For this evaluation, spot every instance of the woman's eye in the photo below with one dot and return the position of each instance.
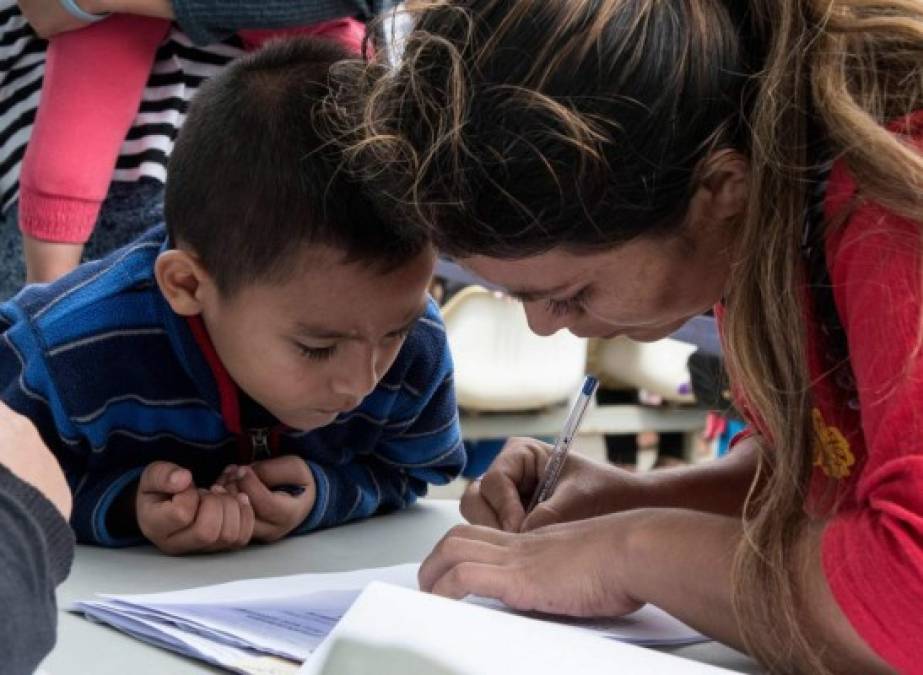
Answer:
(575, 303)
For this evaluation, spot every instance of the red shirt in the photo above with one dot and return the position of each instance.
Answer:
(869, 440)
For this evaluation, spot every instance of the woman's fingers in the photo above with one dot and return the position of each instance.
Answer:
(464, 543)
(497, 499)
(476, 578)
(475, 509)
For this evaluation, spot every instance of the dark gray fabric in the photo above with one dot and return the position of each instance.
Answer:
(36, 552)
(130, 209)
(207, 21)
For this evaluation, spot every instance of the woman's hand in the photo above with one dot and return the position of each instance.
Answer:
(586, 489)
(575, 569)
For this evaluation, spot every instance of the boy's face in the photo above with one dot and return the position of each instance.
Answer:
(314, 346)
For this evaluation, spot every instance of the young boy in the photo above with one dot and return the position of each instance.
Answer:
(268, 364)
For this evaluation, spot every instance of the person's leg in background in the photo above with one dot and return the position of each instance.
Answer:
(129, 210)
(621, 449)
(670, 449)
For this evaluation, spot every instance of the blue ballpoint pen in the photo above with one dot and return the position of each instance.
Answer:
(558, 456)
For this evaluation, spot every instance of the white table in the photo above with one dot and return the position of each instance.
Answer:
(87, 649)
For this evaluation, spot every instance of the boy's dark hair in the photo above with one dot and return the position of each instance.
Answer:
(252, 176)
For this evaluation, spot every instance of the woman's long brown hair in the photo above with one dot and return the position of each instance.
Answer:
(511, 127)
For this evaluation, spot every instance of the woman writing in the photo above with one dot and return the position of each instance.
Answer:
(623, 165)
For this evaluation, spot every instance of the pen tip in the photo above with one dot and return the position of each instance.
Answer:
(589, 385)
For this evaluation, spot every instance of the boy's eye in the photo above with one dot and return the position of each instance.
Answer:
(567, 305)
(317, 353)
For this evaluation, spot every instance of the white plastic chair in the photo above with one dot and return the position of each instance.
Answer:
(657, 367)
(500, 364)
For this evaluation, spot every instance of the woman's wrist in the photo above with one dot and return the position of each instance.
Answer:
(634, 563)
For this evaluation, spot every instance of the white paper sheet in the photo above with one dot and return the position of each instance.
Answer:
(183, 642)
(435, 635)
(289, 617)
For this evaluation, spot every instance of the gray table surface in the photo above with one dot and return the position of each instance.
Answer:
(88, 649)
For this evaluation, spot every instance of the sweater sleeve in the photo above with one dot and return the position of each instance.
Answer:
(208, 21)
(873, 554)
(28, 387)
(36, 551)
(94, 79)
(347, 31)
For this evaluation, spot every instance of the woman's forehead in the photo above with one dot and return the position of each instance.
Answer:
(544, 275)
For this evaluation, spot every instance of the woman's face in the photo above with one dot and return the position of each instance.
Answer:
(644, 289)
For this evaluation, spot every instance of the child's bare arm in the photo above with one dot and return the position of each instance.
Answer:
(49, 18)
(162, 9)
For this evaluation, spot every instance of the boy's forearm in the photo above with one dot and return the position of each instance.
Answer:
(354, 491)
(104, 509)
(122, 518)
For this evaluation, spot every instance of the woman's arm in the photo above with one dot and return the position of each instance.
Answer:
(679, 560)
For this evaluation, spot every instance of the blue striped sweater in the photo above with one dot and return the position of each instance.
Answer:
(114, 380)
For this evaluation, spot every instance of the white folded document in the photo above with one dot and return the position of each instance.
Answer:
(272, 625)
(434, 636)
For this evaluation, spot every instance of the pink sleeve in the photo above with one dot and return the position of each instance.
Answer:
(347, 31)
(94, 79)
(873, 552)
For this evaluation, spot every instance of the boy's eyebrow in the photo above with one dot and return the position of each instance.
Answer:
(416, 316)
(324, 333)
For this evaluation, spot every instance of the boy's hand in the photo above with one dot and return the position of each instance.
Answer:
(277, 512)
(179, 518)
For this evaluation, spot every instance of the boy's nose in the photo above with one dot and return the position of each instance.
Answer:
(358, 378)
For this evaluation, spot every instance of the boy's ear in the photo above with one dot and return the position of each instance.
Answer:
(182, 280)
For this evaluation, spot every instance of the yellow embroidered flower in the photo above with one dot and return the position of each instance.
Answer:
(831, 449)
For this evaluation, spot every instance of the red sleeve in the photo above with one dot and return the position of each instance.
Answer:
(94, 79)
(873, 554)
(347, 31)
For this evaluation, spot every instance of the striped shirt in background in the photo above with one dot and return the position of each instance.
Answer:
(179, 70)
(22, 66)
(114, 380)
(196, 48)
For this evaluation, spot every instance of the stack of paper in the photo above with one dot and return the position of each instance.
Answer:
(436, 636)
(270, 626)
